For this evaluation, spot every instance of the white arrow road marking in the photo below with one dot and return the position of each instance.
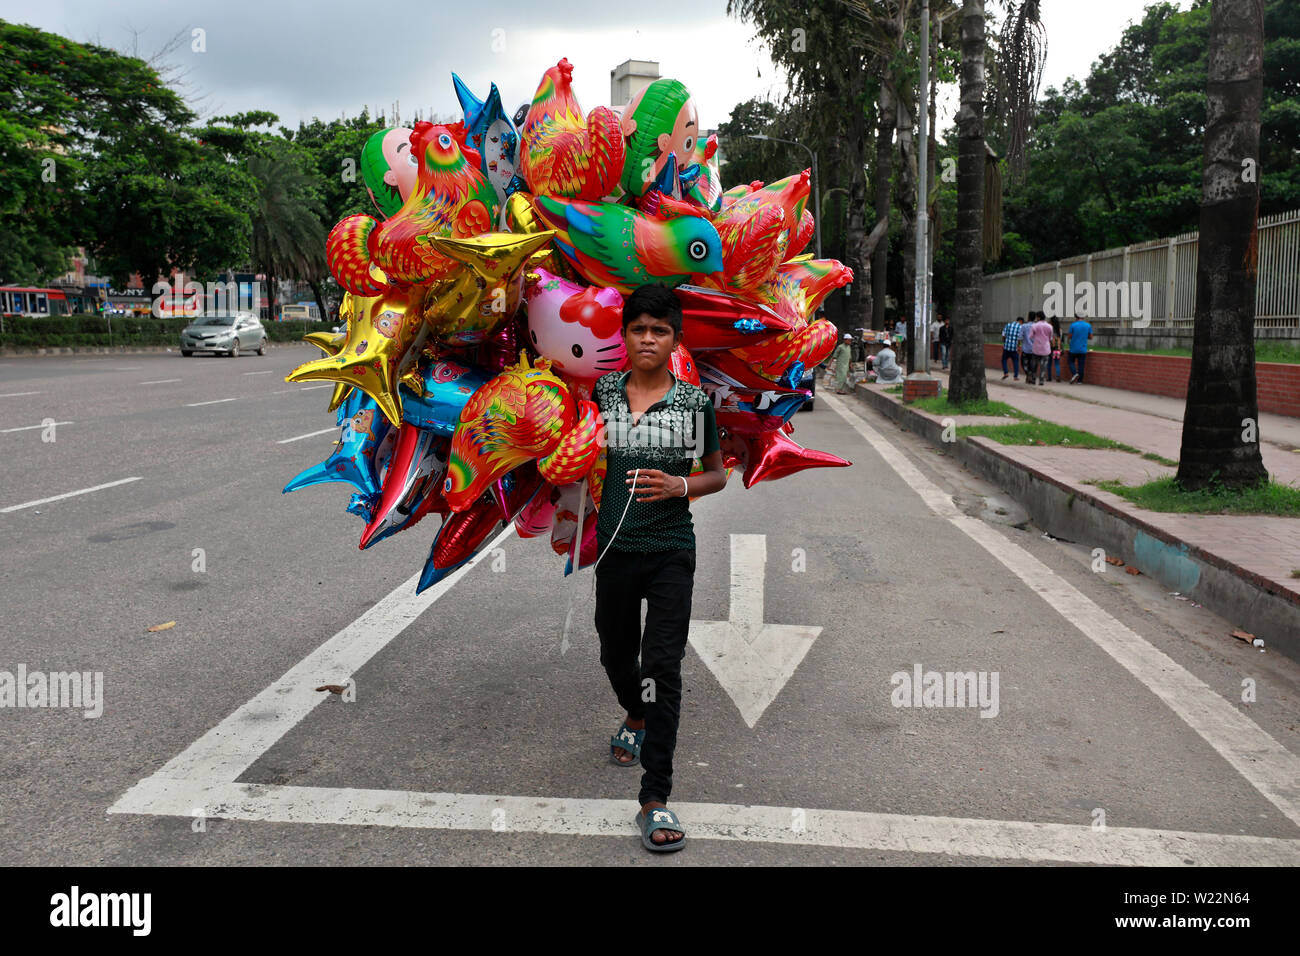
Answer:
(751, 660)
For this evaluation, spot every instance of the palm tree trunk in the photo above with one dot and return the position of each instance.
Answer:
(886, 119)
(967, 356)
(1221, 420)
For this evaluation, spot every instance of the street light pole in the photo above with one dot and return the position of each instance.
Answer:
(816, 180)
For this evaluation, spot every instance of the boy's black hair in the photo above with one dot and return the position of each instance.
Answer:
(655, 300)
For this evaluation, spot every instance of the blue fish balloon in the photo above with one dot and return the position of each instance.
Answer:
(354, 460)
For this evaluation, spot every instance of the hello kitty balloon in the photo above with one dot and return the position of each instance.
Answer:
(579, 328)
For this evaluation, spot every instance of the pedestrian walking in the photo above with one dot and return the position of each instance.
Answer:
(1080, 333)
(843, 355)
(1040, 338)
(935, 325)
(1011, 348)
(945, 340)
(1055, 362)
(1026, 353)
(655, 425)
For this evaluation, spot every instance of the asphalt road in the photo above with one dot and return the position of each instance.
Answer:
(476, 738)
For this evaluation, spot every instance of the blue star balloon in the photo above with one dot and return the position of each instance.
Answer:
(490, 131)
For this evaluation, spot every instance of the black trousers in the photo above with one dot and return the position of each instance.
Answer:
(652, 688)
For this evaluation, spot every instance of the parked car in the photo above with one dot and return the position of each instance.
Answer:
(228, 333)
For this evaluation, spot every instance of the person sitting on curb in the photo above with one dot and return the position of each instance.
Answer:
(887, 371)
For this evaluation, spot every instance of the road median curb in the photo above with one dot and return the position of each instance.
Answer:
(1076, 513)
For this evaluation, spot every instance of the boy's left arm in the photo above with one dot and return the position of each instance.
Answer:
(714, 476)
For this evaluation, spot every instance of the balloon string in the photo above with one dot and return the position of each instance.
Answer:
(577, 550)
(574, 558)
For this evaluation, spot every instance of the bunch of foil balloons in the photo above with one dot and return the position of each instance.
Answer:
(484, 299)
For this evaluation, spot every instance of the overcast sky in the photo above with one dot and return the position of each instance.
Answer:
(325, 57)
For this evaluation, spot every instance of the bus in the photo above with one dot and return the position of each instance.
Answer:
(40, 303)
(301, 312)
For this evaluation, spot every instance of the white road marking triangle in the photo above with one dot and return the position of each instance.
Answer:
(751, 660)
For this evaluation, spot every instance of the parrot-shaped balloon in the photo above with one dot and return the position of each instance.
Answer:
(451, 198)
(618, 246)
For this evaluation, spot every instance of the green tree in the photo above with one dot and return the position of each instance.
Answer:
(824, 48)
(749, 160)
(95, 152)
(334, 148)
(1117, 158)
(288, 237)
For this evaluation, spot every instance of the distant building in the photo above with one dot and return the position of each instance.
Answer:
(630, 78)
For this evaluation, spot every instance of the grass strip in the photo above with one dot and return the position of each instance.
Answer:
(1165, 494)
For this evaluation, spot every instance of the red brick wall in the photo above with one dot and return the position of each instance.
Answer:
(1277, 385)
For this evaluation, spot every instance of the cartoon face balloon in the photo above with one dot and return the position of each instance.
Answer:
(580, 329)
(660, 122)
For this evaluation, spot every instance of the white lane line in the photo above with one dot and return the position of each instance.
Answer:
(27, 428)
(161, 381)
(1268, 766)
(217, 401)
(18, 394)
(842, 829)
(303, 388)
(231, 747)
(263, 372)
(69, 494)
(323, 431)
(129, 368)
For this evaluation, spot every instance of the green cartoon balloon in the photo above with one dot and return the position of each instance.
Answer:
(660, 121)
(389, 168)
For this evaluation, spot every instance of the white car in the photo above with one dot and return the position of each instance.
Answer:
(228, 334)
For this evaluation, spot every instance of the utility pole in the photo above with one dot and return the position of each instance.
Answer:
(920, 320)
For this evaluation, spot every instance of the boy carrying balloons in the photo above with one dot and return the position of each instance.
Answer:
(655, 426)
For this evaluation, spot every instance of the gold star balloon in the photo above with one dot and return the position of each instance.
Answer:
(330, 343)
(466, 307)
(381, 330)
(522, 218)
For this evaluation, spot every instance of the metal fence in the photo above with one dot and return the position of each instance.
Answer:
(1169, 266)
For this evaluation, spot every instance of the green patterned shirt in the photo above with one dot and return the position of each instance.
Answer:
(668, 436)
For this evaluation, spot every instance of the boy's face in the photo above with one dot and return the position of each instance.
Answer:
(650, 342)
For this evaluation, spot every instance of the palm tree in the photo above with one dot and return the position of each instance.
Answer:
(1221, 419)
(288, 236)
(1021, 63)
(966, 380)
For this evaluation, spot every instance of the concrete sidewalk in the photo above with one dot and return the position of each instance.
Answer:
(1197, 555)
